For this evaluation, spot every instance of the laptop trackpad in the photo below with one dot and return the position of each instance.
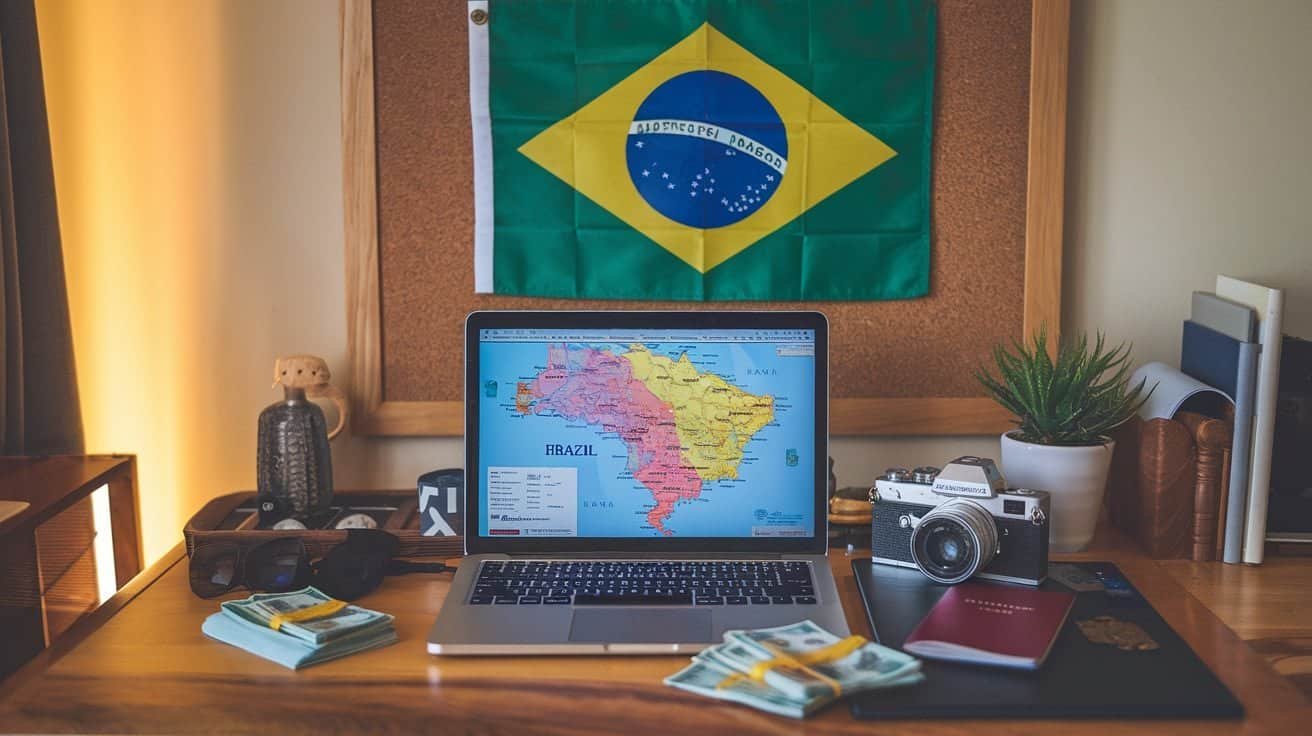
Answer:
(641, 625)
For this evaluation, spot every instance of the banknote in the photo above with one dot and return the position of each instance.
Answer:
(289, 651)
(261, 608)
(796, 684)
(814, 680)
(704, 677)
(868, 666)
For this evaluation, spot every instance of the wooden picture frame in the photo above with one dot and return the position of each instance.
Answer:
(374, 415)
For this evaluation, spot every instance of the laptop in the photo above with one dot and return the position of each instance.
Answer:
(640, 482)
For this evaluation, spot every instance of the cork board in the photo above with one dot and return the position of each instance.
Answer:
(896, 367)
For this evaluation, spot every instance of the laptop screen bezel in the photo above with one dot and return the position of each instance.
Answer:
(817, 543)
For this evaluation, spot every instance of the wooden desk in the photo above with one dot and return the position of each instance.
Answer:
(148, 669)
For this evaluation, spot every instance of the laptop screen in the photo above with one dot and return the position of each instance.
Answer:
(647, 433)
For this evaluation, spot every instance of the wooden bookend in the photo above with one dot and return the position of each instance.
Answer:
(1166, 485)
(1211, 440)
(1223, 503)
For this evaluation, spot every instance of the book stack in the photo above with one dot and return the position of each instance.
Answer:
(1232, 342)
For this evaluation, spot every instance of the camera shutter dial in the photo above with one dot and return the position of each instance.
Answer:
(924, 474)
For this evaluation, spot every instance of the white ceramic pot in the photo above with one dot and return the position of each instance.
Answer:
(1075, 477)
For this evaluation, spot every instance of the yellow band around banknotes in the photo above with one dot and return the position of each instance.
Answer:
(823, 655)
(319, 610)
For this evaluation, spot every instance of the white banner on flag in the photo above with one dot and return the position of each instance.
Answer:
(708, 132)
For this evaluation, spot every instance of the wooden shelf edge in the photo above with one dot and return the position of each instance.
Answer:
(919, 416)
(878, 417)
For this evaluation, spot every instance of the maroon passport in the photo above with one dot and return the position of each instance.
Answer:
(992, 624)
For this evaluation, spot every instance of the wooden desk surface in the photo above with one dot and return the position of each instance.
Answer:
(148, 669)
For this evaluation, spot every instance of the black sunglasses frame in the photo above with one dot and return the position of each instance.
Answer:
(346, 571)
(244, 562)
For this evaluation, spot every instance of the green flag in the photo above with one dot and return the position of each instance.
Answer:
(702, 149)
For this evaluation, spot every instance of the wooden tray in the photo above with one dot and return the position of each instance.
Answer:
(233, 518)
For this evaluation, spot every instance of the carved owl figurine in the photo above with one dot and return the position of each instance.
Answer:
(293, 460)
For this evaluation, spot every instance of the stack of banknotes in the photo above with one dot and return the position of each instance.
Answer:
(793, 670)
(299, 628)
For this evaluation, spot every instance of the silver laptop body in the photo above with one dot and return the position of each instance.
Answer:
(640, 482)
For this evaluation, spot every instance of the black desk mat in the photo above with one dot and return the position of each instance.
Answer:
(1079, 680)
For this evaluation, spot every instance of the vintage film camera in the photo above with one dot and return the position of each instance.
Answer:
(959, 522)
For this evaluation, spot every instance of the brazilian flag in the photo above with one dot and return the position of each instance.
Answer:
(702, 149)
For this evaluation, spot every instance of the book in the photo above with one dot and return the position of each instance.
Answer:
(1228, 364)
(1289, 512)
(997, 625)
(1239, 322)
(1210, 356)
(1172, 391)
(1224, 316)
(1268, 304)
(1241, 454)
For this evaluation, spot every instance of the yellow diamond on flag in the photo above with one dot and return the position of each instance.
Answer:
(626, 150)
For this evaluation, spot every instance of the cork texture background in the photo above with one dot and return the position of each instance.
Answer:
(912, 348)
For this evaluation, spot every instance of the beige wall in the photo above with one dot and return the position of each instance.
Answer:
(1189, 155)
(198, 170)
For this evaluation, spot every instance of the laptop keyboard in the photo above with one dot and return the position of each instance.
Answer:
(641, 583)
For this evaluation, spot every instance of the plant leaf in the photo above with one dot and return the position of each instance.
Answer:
(1076, 399)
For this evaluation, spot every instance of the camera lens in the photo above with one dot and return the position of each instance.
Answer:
(954, 541)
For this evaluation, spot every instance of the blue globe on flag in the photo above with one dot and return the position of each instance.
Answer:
(706, 149)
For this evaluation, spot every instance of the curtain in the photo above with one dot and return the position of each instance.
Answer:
(39, 410)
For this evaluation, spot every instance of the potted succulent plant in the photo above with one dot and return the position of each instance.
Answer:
(1065, 412)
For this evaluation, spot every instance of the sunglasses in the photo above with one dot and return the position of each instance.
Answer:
(274, 566)
(346, 572)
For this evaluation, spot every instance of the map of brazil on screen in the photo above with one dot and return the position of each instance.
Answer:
(606, 437)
